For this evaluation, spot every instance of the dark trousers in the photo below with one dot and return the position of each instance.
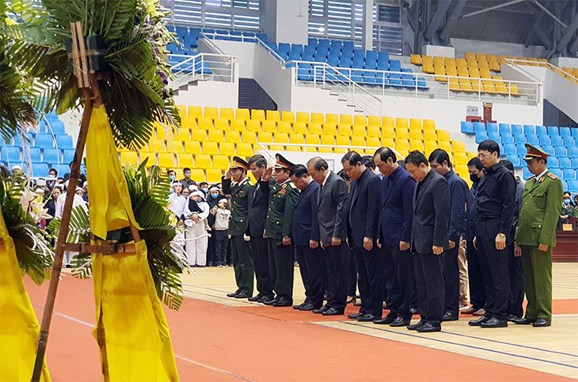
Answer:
(429, 282)
(494, 266)
(369, 267)
(401, 280)
(391, 291)
(301, 251)
(477, 291)
(452, 280)
(516, 283)
(260, 255)
(338, 259)
(317, 274)
(220, 241)
(211, 257)
(243, 264)
(352, 278)
(281, 268)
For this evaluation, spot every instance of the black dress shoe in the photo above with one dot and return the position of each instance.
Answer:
(494, 323)
(242, 295)
(320, 310)
(256, 298)
(416, 325)
(306, 307)
(234, 294)
(428, 328)
(282, 302)
(298, 307)
(399, 321)
(385, 320)
(541, 323)
(355, 316)
(512, 318)
(479, 321)
(332, 312)
(524, 321)
(450, 317)
(270, 301)
(414, 311)
(367, 318)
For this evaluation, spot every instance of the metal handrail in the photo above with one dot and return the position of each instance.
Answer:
(187, 67)
(554, 68)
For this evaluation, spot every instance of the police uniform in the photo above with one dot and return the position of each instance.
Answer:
(282, 200)
(240, 250)
(537, 225)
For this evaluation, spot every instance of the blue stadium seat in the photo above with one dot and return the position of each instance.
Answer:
(553, 162)
(479, 126)
(519, 138)
(557, 140)
(504, 128)
(549, 149)
(510, 149)
(574, 162)
(422, 84)
(304, 72)
(17, 141)
(574, 132)
(572, 186)
(35, 155)
(527, 173)
(262, 37)
(467, 127)
(516, 162)
(565, 132)
(61, 168)
(529, 130)
(573, 152)
(552, 130)
(44, 141)
(495, 136)
(544, 140)
(521, 147)
(481, 136)
(569, 174)
(284, 47)
(507, 138)
(294, 56)
(348, 45)
(297, 48)
(492, 127)
(394, 65)
(560, 151)
(68, 156)
(558, 172)
(10, 154)
(517, 129)
(569, 141)
(308, 49)
(532, 139)
(39, 169)
(565, 162)
(541, 130)
(64, 142)
(52, 156)
(372, 55)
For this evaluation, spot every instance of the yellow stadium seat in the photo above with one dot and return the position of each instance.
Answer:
(272, 115)
(270, 126)
(359, 130)
(357, 140)
(284, 127)
(275, 148)
(429, 124)
(192, 147)
(415, 59)
(186, 160)
(232, 136)
(445, 145)
(430, 134)
(329, 118)
(185, 134)
(242, 114)
(166, 160)
(343, 141)
(402, 144)
(328, 140)
(237, 125)
(443, 135)
(326, 150)
(249, 137)
(221, 161)
(373, 141)
(265, 137)
(401, 123)
(198, 174)
(314, 128)
(215, 136)
(388, 132)
(205, 123)
(227, 148)
(211, 112)
(195, 111)
(174, 146)
(287, 116)
(388, 142)
(402, 133)
(160, 130)
(227, 113)
(415, 124)
(359, 120)
(129, 157)
(210, 148)
(300, 127)
(302, 117)
(294, 148)
(313, 139)
(430, 146)
(514, 90)
(203, 160)
(427, 64)
(296, 138)
(199, 135)
(458, 147)
(330, 129)
(373, 131)
(281, 138)
(182, 110)
(157, 145)
(151, 158)
(460, 159)
(415, 134)
(318, 118)
(344, 130)
(253, 125)
(214, 175)
(416, 144)
(244, 149)
(258, 115)
(373, 120)
(222, 124)
(345, 119)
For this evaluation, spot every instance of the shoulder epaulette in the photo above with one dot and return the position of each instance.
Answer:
(553, 176)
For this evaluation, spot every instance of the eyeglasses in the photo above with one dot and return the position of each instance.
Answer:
(483, 155)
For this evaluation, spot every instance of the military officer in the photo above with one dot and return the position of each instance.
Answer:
(282, 199)
(536, 235)
(236, 183)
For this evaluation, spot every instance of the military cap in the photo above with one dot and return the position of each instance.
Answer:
(282, 162)
(239, 162)
(535, 153)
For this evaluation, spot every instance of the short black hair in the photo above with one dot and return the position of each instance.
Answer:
(475, 161)
(385, 153)
(440, 155)
(258, 159)
(299, 171)
(368, 161)
(200, 184)
(353, 158)
(53, 169)
(318, 163)
(169, 171)
(416, 158)
(507, 164)
(186, 169)
(490, 146)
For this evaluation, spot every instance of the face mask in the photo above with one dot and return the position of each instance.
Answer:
(474, 178)
(214, 196)
(204, 189)
(171, 178)
(566, 201)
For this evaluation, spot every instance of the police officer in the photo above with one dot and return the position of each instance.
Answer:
(536, 235)
(236, 183)
(282, 199)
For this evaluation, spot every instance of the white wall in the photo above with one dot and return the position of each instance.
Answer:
(271, 76)
(244, 53)
(492, 47)
(286, 20)
(313, 100)
(210, 93)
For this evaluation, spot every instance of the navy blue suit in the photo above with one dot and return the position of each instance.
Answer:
(362, 222)
(395, 219)
(305, 227)
(458, 201)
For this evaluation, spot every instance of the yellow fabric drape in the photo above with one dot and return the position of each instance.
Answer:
(19, 327)
(131, 329)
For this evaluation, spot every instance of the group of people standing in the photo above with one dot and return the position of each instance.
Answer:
(403, 229)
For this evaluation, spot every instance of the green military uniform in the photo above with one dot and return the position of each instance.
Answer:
(282, 200)
(537, 225)
(240, 250)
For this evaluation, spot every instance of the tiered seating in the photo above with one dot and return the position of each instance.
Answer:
(560, 142)
(209, 137)
(49, 147)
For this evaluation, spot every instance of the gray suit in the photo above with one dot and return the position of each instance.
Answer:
(332, 216)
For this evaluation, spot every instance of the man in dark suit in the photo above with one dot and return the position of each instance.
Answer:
(395, 218)
(440, 161)
(332, 217)
(282, 198)
(258, 204)
(362, 232)
(429, 240)
(305, 230)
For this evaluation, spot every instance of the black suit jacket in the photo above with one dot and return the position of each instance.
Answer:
(305, 226)
(363, 209)
(258, 205)
(332, 209)
(431, 213)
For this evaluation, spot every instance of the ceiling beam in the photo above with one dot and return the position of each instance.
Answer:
(452, 20)
(492, 8)
(437, 20)
(547, 11)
